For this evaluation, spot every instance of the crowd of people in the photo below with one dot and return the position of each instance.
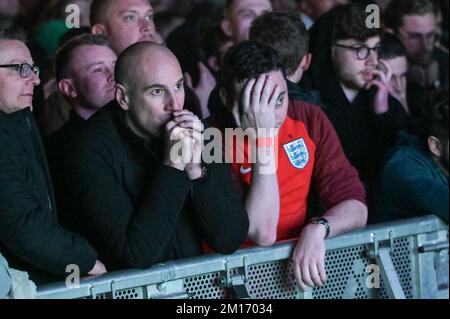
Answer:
(104, 128)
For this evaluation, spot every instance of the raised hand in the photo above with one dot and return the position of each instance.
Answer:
(257, 106)
(381, 81)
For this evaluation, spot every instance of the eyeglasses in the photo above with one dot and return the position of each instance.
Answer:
(429, 38)
(362, 52)
(25, 70)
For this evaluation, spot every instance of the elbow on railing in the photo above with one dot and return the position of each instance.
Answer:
(264, 237)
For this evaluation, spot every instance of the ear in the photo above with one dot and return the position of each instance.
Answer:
(306, 62)
(227, 28)
(435, 146)
(98, 29)
(122, 97)
(67, 88)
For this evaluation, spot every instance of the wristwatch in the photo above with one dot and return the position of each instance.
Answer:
(321, 221)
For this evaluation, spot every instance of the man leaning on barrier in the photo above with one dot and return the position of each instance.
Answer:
(302, 143)
(136, 199)
(30, 236)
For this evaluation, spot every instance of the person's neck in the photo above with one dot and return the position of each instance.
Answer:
(84, 112)
(350, 93)
(296, 77)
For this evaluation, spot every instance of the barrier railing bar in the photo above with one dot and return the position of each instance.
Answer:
(183, 268)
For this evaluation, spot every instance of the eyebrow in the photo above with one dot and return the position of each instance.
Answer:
(418, 33)
(135, 11)
(245, 11)
(156, 85)
(20, 61)
(95, 64)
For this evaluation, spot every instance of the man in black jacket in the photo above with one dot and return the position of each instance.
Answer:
(354, 88)
(30, 236)
(135, 198)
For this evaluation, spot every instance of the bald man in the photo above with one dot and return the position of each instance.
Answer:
(136, 201)
(124, 22)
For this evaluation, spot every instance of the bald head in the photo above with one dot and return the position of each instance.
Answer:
(140, 58)
(150, 87)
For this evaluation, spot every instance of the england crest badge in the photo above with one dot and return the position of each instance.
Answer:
(297, 152)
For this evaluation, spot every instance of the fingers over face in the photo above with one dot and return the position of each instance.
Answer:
(257, 91)
(246, 96)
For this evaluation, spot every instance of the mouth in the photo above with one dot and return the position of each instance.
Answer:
(147, 37)
(367, 74)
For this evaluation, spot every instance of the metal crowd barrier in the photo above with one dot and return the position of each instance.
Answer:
(405, 259)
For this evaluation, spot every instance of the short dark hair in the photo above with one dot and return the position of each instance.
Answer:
(397, 9)
(286, 33)
(247, 60)
(64, 53)
(435, 121)
(13, 34)
(350, 23)
(98, 9)
(391, 47)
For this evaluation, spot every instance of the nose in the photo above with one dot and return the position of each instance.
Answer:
(34, 79)
(110, 75)
(429, 43)
(147, 26)
(174, 103)
(372, 60)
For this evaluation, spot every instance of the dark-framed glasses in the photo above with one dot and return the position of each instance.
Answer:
(25, 70)
(362, 52)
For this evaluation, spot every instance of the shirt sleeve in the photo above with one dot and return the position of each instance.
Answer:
(223, 219)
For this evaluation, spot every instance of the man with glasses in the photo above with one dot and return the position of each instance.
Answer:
(354, 86)
(415, 23)
(30, 237)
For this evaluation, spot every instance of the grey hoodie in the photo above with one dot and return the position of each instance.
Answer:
(5, 278)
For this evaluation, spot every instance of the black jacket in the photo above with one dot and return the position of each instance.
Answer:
(30, 237)
(138, 212)
(365, 136)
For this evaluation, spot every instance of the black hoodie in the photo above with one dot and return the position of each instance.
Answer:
(364, 135)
